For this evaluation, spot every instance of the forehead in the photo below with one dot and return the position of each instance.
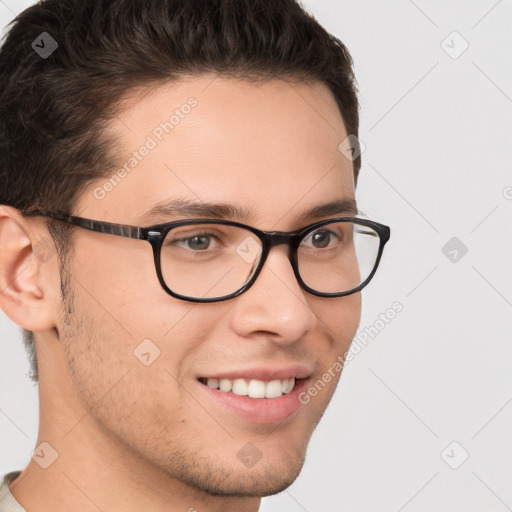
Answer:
(270, 148)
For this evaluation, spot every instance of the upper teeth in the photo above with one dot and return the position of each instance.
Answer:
(253, 388)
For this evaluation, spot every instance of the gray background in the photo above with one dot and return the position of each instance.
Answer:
(433, 385)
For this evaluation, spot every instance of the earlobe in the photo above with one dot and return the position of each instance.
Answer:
(22, 294)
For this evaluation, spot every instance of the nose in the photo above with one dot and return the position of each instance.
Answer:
(275, 304)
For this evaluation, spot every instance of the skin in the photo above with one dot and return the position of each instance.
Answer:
(133, 437)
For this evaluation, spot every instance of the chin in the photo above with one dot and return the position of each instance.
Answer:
(264, 479)
(253, 484)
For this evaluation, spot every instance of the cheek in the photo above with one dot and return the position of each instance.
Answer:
(121, 290)
(123, 320)
(126, 382)
(145, 402)
(341, 318)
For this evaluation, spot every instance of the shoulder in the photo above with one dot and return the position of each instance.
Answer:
(7, 501)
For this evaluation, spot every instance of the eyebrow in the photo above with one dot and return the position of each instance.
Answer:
(191, 209)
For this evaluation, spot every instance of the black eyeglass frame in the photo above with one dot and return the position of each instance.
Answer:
(156, 234)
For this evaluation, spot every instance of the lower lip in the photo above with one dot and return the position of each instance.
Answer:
(259, 410)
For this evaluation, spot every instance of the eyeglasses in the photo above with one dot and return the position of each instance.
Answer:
(211, 260)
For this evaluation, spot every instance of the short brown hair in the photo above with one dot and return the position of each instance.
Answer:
(54, 110)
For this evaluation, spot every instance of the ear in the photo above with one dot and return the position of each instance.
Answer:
(27, 264)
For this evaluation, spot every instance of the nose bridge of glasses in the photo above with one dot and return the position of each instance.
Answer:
(278, 238)
(274, 238)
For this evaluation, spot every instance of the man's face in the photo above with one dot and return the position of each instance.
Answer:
(271, 149)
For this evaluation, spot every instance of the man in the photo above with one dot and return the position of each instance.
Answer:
(181, 245)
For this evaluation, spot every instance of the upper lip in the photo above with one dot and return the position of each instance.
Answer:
(265, 373)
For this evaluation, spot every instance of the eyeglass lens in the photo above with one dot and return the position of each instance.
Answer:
(216, 260)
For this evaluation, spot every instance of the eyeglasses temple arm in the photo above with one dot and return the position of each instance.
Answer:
(94, 225)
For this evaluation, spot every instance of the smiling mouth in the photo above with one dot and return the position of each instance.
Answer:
(253, 388)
